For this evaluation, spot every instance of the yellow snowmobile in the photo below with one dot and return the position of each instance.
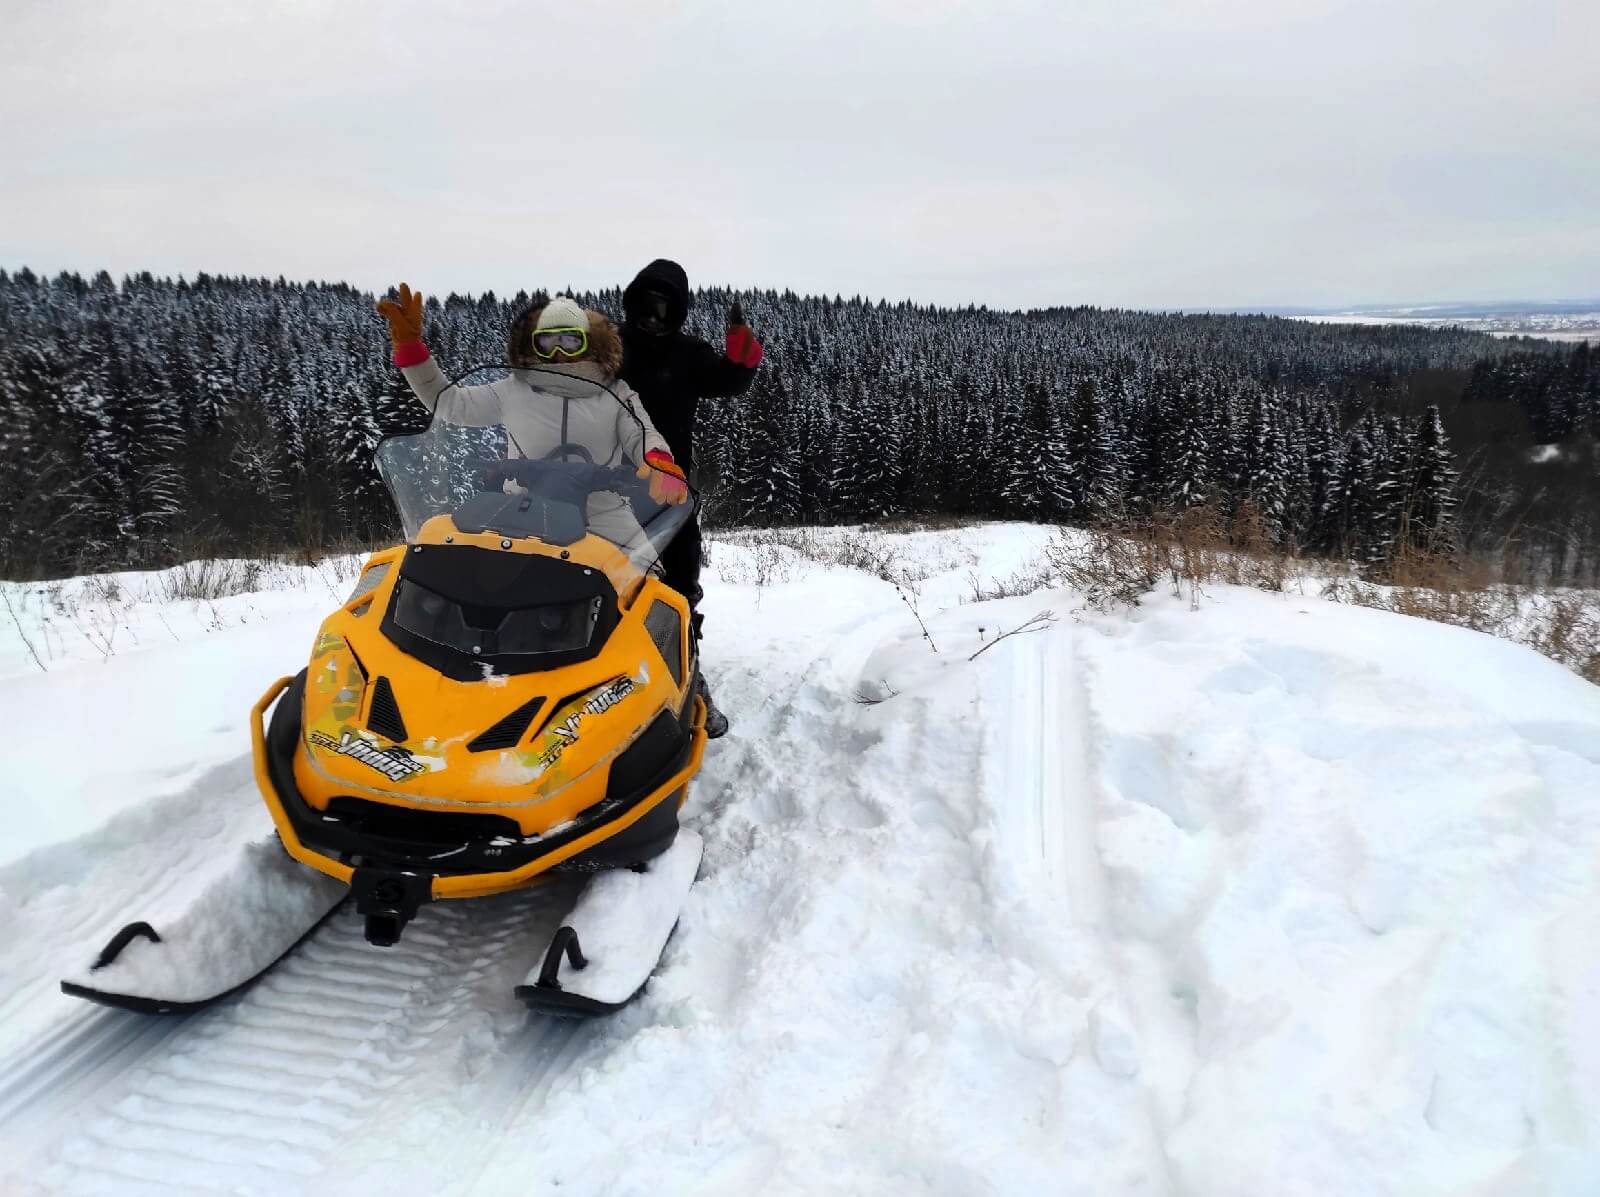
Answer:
(506, 695)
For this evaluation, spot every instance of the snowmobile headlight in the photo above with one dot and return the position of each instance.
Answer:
(489, 631)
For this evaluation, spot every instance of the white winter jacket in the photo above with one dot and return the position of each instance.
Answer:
(546, 407)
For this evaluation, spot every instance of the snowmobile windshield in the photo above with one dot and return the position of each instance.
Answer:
(518, 479)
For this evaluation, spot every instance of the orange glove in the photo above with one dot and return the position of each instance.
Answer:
(404, 315)
(668, 487)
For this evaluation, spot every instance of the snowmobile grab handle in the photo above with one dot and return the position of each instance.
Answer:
(582, 477)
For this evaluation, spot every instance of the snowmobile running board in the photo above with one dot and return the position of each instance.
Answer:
(625, 918)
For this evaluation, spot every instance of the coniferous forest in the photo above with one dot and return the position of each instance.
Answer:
(149, 420)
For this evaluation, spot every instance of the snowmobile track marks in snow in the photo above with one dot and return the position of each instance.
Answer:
(270, 1084)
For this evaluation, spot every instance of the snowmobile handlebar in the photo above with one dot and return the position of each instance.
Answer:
(582, 475)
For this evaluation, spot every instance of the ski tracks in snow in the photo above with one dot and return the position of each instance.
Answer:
(1038, 768)
(1043, 752)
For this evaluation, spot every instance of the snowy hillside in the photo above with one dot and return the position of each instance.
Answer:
(1270, 897)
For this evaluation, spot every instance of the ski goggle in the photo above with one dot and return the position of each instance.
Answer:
(652, 312)
(568, 342)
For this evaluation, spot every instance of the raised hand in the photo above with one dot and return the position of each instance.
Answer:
(741, 345)
(403, 311)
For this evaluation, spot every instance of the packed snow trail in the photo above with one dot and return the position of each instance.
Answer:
(284, 1082)
(1268, 897)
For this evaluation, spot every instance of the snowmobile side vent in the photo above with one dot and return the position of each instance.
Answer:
(368, 582)
(384, 716)
(649, 758)
(666, 629)
(510, 730)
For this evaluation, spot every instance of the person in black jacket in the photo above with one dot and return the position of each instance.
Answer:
(672, 371)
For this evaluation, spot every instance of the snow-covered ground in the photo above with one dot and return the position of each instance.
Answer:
(1275, 896)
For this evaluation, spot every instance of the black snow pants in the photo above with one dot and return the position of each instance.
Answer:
(680, 569)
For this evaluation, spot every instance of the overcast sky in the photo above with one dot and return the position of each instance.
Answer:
(1232, 153)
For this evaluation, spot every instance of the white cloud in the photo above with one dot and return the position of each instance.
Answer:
(1018, 154)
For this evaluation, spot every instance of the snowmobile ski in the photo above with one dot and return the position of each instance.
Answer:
(614, 937)
(237, 929)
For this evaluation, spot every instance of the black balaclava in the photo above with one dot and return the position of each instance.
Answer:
(656, 303)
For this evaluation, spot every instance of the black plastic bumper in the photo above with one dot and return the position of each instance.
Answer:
(446, 844)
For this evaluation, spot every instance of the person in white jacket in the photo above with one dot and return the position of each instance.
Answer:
(564, 390)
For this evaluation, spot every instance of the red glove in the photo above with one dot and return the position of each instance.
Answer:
(668, 487)
(742, 347)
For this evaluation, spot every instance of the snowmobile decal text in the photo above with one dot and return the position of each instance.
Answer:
(393, 763)
(565, 733)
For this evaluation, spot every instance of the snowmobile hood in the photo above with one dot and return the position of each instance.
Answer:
(668, 277)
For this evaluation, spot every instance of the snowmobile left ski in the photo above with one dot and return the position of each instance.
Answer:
(229, 934)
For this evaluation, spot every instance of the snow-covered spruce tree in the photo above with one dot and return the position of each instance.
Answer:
(812, 438)
(1092, 471)
(972, 466)
(47, 510)
(922, 480)
(1350, 526)
(363, 503)
(866, 458)
(1268, 469)
(767, 490)
(1188, 480)
(738, 480)
(1391, 478)
(1430, 511)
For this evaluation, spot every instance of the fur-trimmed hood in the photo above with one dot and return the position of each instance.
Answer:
(605, 343)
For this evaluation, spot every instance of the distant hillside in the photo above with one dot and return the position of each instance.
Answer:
(153, 418)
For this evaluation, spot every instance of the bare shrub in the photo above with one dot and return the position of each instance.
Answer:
(209, 578)
(769, 557)
(1117, 563)
(1567, 629)
(933, 522)
(1472, 592)
(102, 588)
(1111, 568)
(1029, 579)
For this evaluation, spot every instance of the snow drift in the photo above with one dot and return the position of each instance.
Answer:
(1272, 896)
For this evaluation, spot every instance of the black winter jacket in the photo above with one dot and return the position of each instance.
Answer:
(673, 373)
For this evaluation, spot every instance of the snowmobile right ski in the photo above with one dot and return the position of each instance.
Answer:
(614, 936)
(236, 929)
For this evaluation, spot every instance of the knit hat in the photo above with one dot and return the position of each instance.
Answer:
(563, 312)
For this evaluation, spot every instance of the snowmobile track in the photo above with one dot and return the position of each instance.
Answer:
(273, 1081)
